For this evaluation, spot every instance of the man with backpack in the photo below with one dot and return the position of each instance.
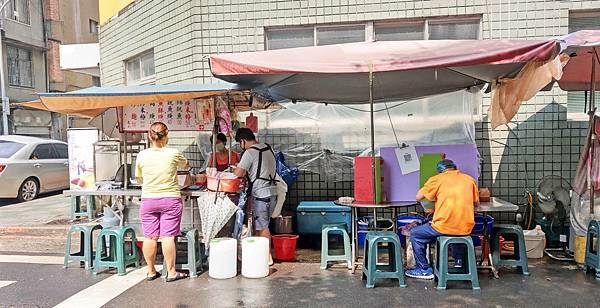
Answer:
(259, 166)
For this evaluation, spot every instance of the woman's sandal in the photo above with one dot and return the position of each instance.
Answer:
(178, 276)
(153, 277)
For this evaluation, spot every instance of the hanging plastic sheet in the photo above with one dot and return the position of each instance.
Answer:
(326, 137)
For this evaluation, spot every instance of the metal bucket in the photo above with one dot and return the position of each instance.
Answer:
(283, 225)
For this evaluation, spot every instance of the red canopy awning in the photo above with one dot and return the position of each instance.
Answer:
(580, 46)
(402, 69)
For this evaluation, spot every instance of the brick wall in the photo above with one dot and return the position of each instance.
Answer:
(55, 74)
(52, 10)
(539, 141)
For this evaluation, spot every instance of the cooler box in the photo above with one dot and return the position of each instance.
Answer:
(363, 179)
(311, 215)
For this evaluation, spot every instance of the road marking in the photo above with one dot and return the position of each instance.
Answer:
(104, 291)
(5, 283)
(31, 259)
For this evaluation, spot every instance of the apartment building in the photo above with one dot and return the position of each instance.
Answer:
(169, 42)
(33, 31)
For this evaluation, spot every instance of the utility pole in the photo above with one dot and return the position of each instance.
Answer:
(5, 102)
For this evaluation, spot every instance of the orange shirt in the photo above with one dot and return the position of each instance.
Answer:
(455, 195)
(223, 159)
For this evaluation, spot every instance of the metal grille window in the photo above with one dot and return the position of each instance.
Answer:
(454, 30)
(430, 29)
(19, 67)
(399, 31)
(586, 20)
(140, 69)
(340, 35)
(290, 38)
(17, 10)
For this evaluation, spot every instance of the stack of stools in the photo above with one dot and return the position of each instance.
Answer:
(394, 269)
(592, 253)
(116, 255)
(86, 249)
(469, 268)
(195, 253)
(519, 258)
(329, 229)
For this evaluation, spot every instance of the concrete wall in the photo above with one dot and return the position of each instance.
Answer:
(33, 33)
(540, 140)
(69, 23)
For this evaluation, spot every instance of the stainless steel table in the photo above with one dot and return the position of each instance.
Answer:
(90, 194)
(371, 206)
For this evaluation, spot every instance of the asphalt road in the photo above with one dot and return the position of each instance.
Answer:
(4, 202)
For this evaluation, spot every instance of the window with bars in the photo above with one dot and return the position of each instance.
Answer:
(581, 20)
(17, 10)
(19, 67)
(423, 29)
(140, 69)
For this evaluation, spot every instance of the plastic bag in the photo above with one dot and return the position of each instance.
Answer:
(289, 175)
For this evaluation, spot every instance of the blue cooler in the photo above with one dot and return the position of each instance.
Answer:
(312, 215)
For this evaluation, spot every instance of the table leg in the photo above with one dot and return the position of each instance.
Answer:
(353, 217)
(75, 202)
(486, 243)
(375, 218)
(394, 219)
(90, 206)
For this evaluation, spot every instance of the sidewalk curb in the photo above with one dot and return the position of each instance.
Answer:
(33, 229)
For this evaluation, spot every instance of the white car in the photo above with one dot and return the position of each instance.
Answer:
(30, 166)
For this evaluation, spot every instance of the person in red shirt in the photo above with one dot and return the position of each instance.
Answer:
(223, 154)
(455, 196)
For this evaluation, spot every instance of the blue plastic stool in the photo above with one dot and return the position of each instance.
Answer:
(520, 253)
(442, 271)
(195, 253)
(325, 256)
(592, 253)
(116, 256)
(371, 270)
(86, 250)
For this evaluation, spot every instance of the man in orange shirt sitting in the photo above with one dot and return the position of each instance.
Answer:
(455, 196)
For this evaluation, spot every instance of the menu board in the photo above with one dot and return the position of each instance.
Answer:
(184, 115)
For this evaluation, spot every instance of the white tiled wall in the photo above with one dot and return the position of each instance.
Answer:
(540, 141)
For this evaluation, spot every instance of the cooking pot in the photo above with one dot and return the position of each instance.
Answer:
(283, 224)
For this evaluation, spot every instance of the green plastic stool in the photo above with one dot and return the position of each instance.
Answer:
(592, 253)
(195, 253)
(519, 259)
(325, 256)
(116, 256)
(442, 271)
(86, 250)
(371, 270)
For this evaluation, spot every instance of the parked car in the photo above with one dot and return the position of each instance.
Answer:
(30, 166)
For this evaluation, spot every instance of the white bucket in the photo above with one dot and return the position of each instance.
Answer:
(222, 261)
(255, 257)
